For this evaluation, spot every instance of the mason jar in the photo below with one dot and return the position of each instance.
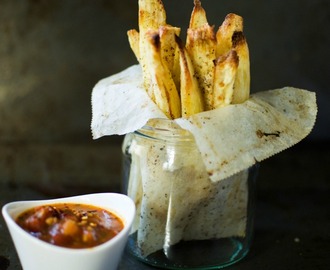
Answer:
(183, 219)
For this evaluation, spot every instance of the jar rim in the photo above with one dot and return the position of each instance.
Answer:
(164, 129)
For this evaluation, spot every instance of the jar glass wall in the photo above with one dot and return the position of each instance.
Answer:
(183, 219)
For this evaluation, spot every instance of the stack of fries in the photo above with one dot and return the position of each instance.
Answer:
(179, 80)
(210, 70)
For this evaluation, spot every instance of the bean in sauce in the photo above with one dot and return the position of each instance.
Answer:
(71, 225)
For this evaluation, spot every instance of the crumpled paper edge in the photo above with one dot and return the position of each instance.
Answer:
(127, 92)
(295, 110)
(126, 87)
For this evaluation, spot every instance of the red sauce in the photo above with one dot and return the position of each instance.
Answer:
(71, 225)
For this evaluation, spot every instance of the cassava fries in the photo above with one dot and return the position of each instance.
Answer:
(242, 79)
(231, 25)
(134, 42)
(165, 92)
(169, 51)
(152, 15)
(206, 155)
(191, 96)
(224, 78)
(209, 71)
(198, 16)
(201, 46)
(230, 36)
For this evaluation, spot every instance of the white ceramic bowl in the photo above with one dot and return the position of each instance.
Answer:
(35, 254)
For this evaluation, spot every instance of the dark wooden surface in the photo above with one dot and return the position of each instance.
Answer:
(292, 229)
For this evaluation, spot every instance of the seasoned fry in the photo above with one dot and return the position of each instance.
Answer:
(201, 46)
(191, 96)
(211, 70)
(198, 16)
(242, 79)
(164, 89)
(134, 41)
(232, 24)
(224, 79)
(152, 15)
(169, 51)
(206, 154)
(230, 36)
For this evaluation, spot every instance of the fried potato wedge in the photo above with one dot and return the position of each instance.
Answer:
(230, 36)
(152, 15)
(165, 92)
(198, 16)
(242, 79)
(191, 96)
(233, 23)
(201, 45)
(134, 42)
(210, 71)
(224, 79)
(170, 52)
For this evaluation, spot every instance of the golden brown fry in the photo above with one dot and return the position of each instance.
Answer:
(134, 41)
(224, 78)
(169, 51)
(191, 96)
(211, 71)
(201, 45)
(198, 16)
(242, 79)
(230, 36)
(165, 92)
(152, 15)
(232, 24)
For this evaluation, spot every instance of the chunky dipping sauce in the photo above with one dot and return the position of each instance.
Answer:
(70, 225)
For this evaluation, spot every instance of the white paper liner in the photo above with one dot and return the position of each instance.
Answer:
(176, 200)
(230, 139)
(120, 104)
(235, 137)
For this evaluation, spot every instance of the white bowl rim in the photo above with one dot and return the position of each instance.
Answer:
(71, 199)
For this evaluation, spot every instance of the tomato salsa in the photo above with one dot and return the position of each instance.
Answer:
(70, 225)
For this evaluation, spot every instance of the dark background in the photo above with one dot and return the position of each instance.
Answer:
(53, 52)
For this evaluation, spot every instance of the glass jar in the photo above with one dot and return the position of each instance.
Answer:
(183, 219)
